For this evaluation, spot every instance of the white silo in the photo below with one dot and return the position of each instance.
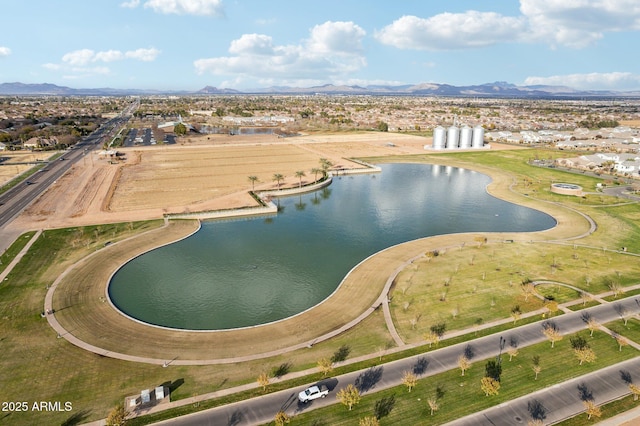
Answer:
(478, 137)
(465, 137)
(438, 138)
(453, 136)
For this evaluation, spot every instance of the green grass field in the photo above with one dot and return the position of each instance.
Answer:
(483, 285)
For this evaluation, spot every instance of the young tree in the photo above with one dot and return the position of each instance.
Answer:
(368, 421)
(315, 172)
(300, 174)
(635, 390)
(489, 386)
(582, 350)
(512, 351)
(281, 418)
(118, 416)
(439, 329)
(263, 380)
(409, 380)
(433, 404)
(551, 332)
(586, 297)
(253, 180)
(528, 289)
(516, 313)
(552, 307)
(432, 338)
(325, 365)
(585, 354)
(592, 325)
(493, 369)
(621, 341)
(325, 165)
(536, 366)
(349, 396)
(464, 363)
(278, 177)
(592, 409)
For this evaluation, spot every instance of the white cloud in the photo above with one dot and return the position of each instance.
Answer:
(252, 44)
(79, 57)
(603, 81)
(85, 56)
(570, 23)
(579, 23)
(82, 63)
(108, 56)
(145, 55)
(187, 7)
(336, 37)
(130, 4)
(451, 31)
(333, 50)
(4, 51)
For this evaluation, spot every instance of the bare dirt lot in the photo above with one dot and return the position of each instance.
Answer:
(17, 162)
(199, 173)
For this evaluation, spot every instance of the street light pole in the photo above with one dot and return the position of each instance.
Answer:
(503, 341)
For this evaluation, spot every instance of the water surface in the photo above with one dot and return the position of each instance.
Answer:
(246, 272)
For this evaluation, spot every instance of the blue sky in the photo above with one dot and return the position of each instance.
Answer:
(245, 44)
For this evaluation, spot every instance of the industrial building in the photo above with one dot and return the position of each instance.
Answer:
(457, 138)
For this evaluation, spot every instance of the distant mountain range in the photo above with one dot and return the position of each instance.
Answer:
(489, 90)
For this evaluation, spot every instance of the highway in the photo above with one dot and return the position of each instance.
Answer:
(16, 199)
(564, 401)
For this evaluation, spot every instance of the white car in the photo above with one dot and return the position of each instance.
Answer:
(313, 392)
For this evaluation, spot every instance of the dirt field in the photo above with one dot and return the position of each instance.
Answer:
(13, 165)
(199, 173)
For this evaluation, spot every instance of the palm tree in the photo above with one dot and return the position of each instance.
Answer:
(278, 178)
(315, 172)
(325, 165)
(300, 174)
(253, 180)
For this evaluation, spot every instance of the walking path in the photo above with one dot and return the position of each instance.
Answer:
(19, 256)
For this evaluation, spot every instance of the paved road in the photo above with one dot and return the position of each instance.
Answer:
(559, 402)
(16, 199)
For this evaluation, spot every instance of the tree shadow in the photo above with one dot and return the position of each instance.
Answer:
(626, 377)
(420, 366)
(384, 406)
(585, 393)
(513, 341)
(537, 410)
(367, 380)
(586, 317)
(468, 352)
(282, 369)
(235, 418)
(76, 418)
(341, 354)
